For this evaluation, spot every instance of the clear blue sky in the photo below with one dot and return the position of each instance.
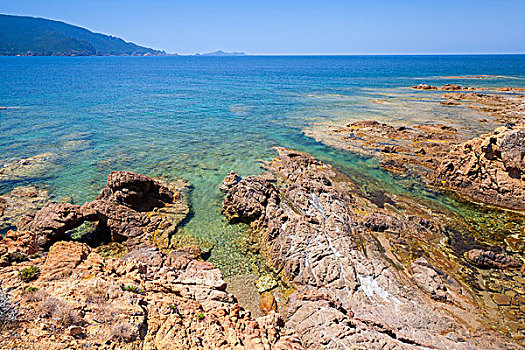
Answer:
(297, 26)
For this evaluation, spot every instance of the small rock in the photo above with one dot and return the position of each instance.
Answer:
(501, 299)
(75, 331)
(266, 283)
(267, 303)
(229, 181)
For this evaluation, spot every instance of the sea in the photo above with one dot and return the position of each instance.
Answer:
(199, 118)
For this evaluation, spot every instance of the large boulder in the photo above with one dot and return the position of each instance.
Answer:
(488, 169)
(133, 208)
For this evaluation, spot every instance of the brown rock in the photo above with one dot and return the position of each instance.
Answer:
(229, 181)
(267, 303)
(133, 209)
(501, 299)
(62, 259)
(51, 223)
(490, 259)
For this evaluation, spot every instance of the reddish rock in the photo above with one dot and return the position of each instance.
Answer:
(489, 259)
(267, 302)
(488, 169)
(133, 208)
(62, 259)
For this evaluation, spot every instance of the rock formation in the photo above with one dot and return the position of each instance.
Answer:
(133, 209)
(157, 296)
(353, 289)
(446, 87)
(81, 300)
(488, 169)
(490, 259)
(504, 108)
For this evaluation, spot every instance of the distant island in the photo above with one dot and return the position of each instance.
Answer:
(221, 53)
(29, 36)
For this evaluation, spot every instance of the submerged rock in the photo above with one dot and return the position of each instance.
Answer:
(21, 200)
(352, 289)
(504, 108)
(27, 168)
(483, 258)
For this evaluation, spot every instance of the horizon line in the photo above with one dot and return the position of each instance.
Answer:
(349, 54)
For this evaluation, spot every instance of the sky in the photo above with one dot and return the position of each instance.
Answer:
(297, 26)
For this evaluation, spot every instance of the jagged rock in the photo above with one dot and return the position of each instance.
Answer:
(352, 289)
(229, 181)
(51, 223)
(131, 304)
(134, 209)
(136, 191)
(246, 201)
(488, 169)
(489, 259)
(62, 259)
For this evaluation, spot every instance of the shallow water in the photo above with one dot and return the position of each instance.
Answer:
(200, 117)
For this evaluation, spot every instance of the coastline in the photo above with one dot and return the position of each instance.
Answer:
(444, 280)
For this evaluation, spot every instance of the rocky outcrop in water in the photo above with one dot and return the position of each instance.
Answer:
(399, 148)
(446, 87)
(336, 249)
(133, 209)
(504, 108)
(488, 169)
(490, 259)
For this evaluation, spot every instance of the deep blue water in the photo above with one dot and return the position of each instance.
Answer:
(200, 117)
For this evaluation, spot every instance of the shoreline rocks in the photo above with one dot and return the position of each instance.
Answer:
(350, 282)
(133, 209)
(488, 169)
(82, 300)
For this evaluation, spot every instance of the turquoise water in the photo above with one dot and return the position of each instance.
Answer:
(200, 117)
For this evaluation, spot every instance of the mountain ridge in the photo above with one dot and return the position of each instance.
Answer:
(34, 36)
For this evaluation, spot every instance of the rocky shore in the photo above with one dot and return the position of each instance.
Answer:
(359, 275)
(485, 169)
(345, 267)
(63, 294)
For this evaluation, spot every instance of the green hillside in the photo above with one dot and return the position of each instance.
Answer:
(43, 37)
